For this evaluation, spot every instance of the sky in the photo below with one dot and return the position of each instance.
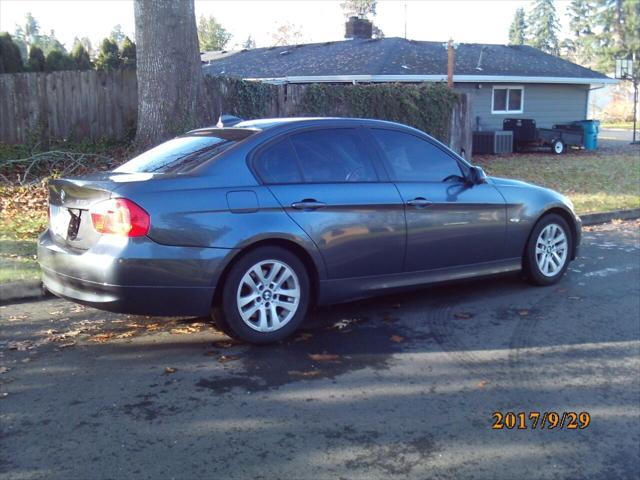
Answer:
(481, 21)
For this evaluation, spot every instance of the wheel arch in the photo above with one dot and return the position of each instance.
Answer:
(568, 217)
(298, 250)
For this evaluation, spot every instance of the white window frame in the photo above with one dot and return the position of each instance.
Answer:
(507, 88)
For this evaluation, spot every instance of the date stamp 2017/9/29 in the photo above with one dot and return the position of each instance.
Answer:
(540, 420)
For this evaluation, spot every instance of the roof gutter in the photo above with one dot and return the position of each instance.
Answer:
(434, 78)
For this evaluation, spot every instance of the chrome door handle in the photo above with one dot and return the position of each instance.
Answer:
(308, 204)
(419, 202)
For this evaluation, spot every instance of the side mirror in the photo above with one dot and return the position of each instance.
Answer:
(477, 175)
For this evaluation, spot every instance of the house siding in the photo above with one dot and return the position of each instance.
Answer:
(547, 104)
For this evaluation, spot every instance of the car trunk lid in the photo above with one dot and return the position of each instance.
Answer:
(70, 201)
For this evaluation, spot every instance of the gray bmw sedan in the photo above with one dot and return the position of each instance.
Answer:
(256, 223)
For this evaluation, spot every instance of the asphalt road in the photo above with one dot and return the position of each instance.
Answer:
(397, 387)
(620, 135)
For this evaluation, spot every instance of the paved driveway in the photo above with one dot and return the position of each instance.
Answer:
(396, 387)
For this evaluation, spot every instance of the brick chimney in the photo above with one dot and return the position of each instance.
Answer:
(358, 28)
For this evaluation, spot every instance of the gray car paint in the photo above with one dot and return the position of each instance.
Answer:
(356, 245)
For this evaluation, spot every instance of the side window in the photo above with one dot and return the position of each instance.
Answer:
(333, 155)
(412, 159)
(277, 164)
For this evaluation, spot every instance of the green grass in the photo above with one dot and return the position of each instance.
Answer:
(18, 248)
(621, 125)
(594, 182)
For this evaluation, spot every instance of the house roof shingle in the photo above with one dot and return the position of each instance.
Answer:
(393, 56)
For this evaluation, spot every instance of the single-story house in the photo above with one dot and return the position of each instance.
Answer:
(503, 81)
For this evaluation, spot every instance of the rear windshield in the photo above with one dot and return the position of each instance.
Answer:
(183, 153)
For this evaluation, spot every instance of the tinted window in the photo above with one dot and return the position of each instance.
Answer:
(333, 155)
(277, 164)
(413, 159)
(183, 153)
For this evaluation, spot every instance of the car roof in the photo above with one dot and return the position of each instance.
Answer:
(272, 123)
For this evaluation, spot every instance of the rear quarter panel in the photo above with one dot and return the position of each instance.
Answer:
(189, 212)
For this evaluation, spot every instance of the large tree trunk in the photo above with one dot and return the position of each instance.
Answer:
(171, 92)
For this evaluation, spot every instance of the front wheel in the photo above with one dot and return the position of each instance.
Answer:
(265, 296)
(548, 250)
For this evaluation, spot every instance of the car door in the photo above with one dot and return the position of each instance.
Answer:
(450, 223)
(328, 182)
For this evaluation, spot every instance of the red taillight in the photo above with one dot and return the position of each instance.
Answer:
(120, 216)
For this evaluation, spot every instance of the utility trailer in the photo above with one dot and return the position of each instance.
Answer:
(559, 138)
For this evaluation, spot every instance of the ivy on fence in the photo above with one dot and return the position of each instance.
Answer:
(424, 106)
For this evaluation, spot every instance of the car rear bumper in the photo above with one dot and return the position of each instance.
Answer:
(135, 275)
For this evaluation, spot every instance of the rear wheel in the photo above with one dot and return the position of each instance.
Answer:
(265, 296)
(548, 250)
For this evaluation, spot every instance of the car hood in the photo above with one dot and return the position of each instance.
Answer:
(509, 182)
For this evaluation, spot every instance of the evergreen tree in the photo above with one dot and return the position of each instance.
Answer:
(544, 27)
(27, 34)
(109, 56)
(580, 48)
(518, 29)
(36, 62)
(249, 43)
(10, 58)
(57, 60)
(128, 53)
(80, 57)
(116, 35)
(619, 37)
(211, 34)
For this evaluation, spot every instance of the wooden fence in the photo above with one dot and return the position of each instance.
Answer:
(73, 105)
(79, 105)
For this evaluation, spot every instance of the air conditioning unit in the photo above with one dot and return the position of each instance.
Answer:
(492, 142)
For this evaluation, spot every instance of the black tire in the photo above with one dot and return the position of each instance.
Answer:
(558, 147)
(532, 270)
(227, 315)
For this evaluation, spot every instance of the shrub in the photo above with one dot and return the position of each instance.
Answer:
(36, 61)
(128, 53)
(57, 60)
(80, 57)
(10, 59)
(109, 56)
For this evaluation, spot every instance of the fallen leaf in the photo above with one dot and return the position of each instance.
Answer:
(309, 373)
(523, 312)
(342, 324)
(101, 337)
(483, 383)
(396, 338)
(324, 357)
(3, 370)
(227, 358)
(463, 315)
(127, 334)
(168, 370)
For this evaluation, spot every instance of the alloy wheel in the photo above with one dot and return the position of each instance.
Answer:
(268, 295)
(552, 249)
